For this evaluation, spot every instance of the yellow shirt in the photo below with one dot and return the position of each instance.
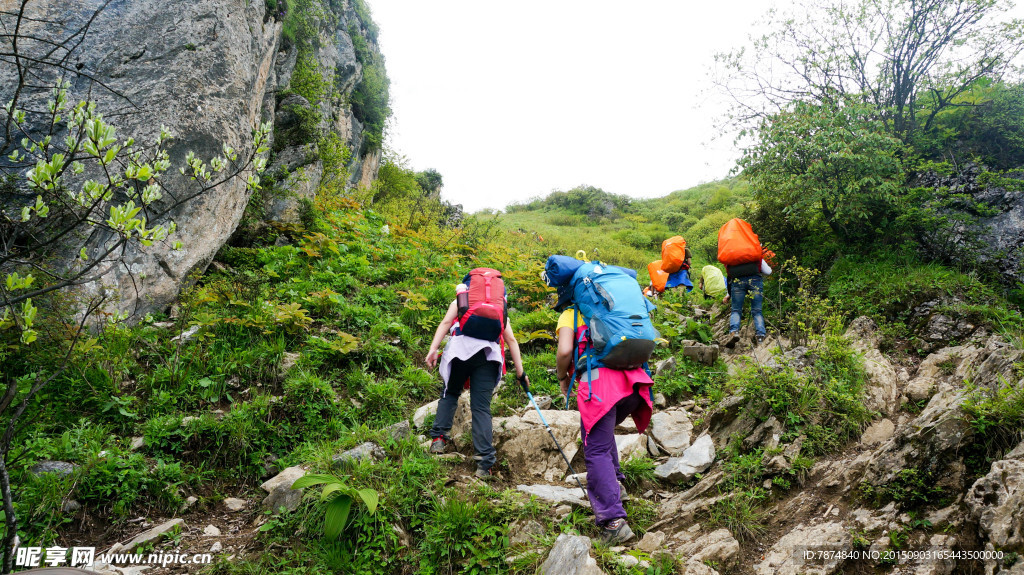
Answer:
(565, 320)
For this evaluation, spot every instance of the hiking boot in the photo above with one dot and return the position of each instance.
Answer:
(732, 339)
(623, 496)
(484, 474)
(437, 446)
(616, 532)
(760, 339)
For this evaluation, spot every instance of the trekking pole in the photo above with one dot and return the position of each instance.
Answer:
(526, 388)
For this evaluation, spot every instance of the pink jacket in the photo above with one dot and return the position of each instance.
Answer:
(606, 388)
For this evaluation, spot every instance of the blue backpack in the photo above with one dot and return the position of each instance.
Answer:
(617, 315)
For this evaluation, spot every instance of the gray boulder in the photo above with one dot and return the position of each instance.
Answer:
(367, 450)
(557, 494)
(718, 547)
(671, 431)
(570, 556)
(697, 458)
(280, 490)
(525, 444)
(61, 468)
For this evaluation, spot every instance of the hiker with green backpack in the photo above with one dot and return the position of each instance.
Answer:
(605, 339)
(473, 359)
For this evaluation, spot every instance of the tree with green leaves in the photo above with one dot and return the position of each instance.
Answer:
(830, 162)
(909, 59)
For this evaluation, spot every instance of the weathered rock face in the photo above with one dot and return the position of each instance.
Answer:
(997, 503)
(882, 391)
(999, 237)
(206, 70)
(785, 558)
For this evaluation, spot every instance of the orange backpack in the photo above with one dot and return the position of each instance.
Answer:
(659, 277)
(673, 254)
(738, 244)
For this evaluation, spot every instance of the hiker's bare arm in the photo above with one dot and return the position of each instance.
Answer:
(513, 349)
(442, 330)
(563, 358)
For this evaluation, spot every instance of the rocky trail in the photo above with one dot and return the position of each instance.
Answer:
(827, 521)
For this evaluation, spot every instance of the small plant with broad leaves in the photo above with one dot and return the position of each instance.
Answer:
(339, 497)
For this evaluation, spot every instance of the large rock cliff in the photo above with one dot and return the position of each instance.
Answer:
(210, 71)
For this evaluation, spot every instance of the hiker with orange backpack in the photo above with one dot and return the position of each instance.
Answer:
(473, 358)
(740, 250)
(605, 339)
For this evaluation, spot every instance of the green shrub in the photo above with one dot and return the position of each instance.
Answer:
(825, 402)
(638, 470)
(996, 416)
(461, 537)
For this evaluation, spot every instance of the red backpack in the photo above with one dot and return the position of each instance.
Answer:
(487, 309)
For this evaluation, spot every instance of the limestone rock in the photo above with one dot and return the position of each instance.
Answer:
(878, 432)
(719, 547)
(882, 386)
(570, 556)
(150, 536)
(665, 367)
(526, 445)
(280, 490)
(671, 430)
(933, 436)
(400, 430)
(234, 504)
(781, 559)
(784, 461)
(630, 446)
(61, 468)
(651, 542)
(211, 531)
(766, 435)
(996, 501)
(367, 450)
(423, 412)
(697, 568)
(703, 354)
(659, 400)
(628, 560)
(524, 532)
(557, 494)
(206, 70)
(697, 458)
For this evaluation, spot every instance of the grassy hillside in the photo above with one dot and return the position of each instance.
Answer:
(309, 340)
(627, 231)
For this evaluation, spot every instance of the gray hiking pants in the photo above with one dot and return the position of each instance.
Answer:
(483, 377)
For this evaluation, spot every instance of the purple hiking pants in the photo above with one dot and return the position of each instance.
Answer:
(602, 457)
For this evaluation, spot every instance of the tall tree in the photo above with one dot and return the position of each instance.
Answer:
(827, 161)
(888, 52)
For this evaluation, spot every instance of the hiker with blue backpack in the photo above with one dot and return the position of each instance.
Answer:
(605, 339)
(473, 359)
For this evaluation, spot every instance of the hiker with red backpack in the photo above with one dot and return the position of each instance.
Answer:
(473, 358)
(605, 339)
(740, 250)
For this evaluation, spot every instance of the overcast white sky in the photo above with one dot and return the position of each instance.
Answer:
(510, 101)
